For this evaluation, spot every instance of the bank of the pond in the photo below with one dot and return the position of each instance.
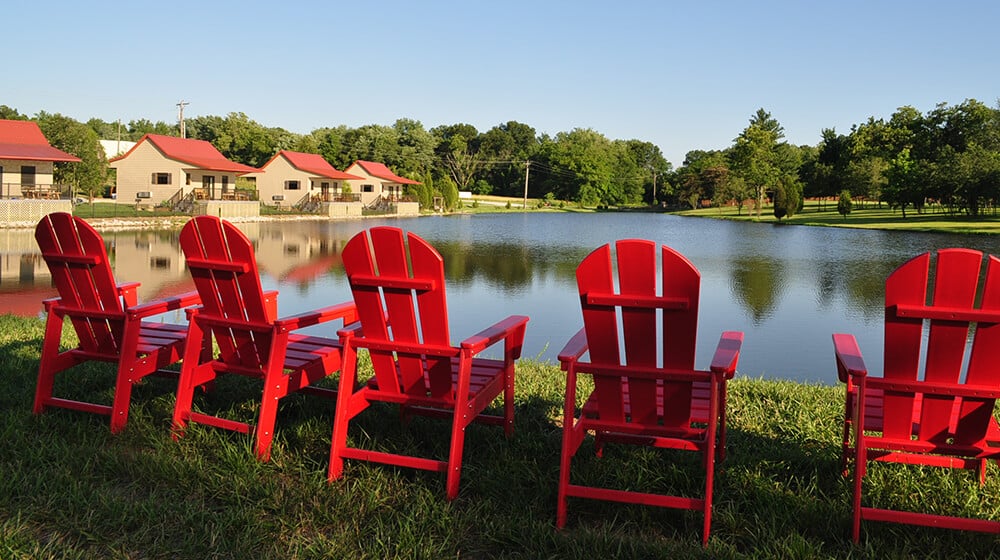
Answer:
(935, 220)
(72, 490)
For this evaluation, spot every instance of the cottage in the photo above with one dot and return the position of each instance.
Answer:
(27, 162)
(170, 169)
(377, 182)
(291, 178)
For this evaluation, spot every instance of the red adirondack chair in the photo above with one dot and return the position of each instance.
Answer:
(242, 320)
(414, 362)
(654, 396)
(940, 414)
(109, 323)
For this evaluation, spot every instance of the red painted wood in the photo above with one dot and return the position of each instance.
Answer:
(241, 319)
(108, 322)
(640, 326)
(398, 285)
(937, 415)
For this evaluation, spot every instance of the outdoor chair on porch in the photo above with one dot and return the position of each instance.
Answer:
(640, 326)
(399, 288)
(109, 323)
(935, 400)
(251, 341)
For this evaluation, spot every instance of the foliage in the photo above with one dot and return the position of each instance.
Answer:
(88, 176)
(449, 191)
(844, 203)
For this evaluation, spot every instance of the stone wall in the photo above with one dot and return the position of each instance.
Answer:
(227, 208)
(23, 211)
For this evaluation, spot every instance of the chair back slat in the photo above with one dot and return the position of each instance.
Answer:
(81, 271)
(401, 298)
(656, 329)
(224, 269)
(956, 286)
(975, 414)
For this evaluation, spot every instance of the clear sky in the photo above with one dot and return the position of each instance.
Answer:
(682, 75)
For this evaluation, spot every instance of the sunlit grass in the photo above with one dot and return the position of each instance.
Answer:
(872, 216)
(72, 490)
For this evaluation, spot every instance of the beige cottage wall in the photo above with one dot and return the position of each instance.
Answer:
(135, 175)
(271, 182)
(10, 178)
(357, 186)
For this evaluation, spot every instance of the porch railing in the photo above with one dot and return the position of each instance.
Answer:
(35, 192)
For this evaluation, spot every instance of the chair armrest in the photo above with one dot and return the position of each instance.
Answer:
(158, 306)
(849, 360)
(575, 347)
(511, 326)
(345, 311)
(727, 353)
(127, 291)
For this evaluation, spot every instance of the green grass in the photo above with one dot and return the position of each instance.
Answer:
(69, 489)
(934, 219)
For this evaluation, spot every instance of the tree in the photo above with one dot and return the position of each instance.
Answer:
(11, 114)
(449, 191)
(87, 176)
(844, 203)
(754, 155)
(458, 150)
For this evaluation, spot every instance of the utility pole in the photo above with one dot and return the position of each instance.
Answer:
(180, 115)
(527, 169)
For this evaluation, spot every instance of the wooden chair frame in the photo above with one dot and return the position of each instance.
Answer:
(242, 320)
(110, 324)
(940, 416)
(664, 405)
(415, 365)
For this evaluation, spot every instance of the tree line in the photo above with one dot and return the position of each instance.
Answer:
(582, 165)
(949, 155)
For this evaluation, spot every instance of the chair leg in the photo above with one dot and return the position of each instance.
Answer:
(47, 366)
(455, 454)
(709, 486)
(273, 391)
(122, 400)
(342, 414)
(508, 402)
(860, 460)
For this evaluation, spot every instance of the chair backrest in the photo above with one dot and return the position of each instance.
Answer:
(399, 291)
(222, 263)
(952, 321)
(650, 322)
(81, 272)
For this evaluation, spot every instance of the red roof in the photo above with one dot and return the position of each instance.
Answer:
(199, 153)
(382, 172)
(24, 140)
(314, 164)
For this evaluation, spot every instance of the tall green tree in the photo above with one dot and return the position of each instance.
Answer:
(754, 155)
(88, 176)
(458, 151)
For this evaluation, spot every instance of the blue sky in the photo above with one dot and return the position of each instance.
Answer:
(682, 75)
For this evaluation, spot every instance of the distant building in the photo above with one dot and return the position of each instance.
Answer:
(291, 178)
(166, 168)
(377, 182)
(27, 162)
(115, 148)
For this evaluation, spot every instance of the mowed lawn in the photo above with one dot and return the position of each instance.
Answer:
(69, 489)
(934, 218)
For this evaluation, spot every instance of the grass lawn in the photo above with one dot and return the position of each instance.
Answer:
(72, 490)
(934, 219)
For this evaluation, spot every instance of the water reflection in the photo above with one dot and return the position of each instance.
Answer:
(787, 287)
(757, 282)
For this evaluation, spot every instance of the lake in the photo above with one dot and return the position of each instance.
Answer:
(787, 287)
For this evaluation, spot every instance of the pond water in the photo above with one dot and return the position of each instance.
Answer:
(787, 287)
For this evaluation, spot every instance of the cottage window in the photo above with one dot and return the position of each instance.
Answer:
(291, 185)
(161, 178)
(159, 263)
(367, 188)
